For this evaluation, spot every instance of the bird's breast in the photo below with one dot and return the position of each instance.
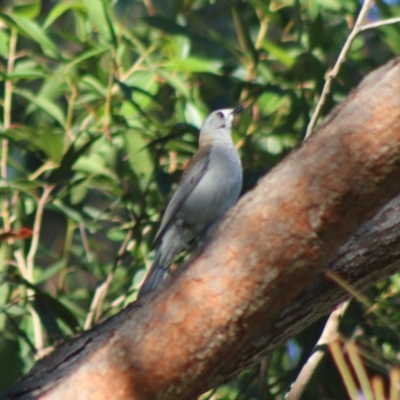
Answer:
(218, 190)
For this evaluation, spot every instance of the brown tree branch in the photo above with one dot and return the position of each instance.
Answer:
(260, 279)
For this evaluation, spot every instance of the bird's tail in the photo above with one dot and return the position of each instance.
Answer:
(154, 277)
(171, 244)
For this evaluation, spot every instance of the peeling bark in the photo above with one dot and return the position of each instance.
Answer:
(260, 279)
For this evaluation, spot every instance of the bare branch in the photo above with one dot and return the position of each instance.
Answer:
(342, 56)
(378, 24)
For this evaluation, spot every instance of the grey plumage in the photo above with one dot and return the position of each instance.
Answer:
(210, 185)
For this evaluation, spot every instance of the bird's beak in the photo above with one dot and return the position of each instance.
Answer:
(238, 109)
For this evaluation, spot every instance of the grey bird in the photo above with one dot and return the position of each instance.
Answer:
(210, 185)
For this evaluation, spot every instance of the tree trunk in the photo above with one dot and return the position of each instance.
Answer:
(260, 279)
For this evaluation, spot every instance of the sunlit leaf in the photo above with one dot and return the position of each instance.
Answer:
(28, 10)
(192, 64)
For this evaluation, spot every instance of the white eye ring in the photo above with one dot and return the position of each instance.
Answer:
(220, 114)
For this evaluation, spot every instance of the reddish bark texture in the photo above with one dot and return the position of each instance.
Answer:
(223, 311)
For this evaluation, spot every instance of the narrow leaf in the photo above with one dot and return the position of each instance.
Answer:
(34, 32)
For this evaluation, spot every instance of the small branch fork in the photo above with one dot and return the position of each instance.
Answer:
(359, 26)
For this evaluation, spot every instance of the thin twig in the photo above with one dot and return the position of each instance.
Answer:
(30, 263)
(378, 24)
(150, 8)
(85, 242)
(329, 334)
(337, 353)
(8, 89)
(342, 56)
(101, 291)
(117, 262)
(378, 387)
(358, 367)
(262, 386)
(69, 135)
(136, 65)
(48, 165)
(97, 300)
(394, 383)
(30, 259)
(263, 28)
(19, 257)
(37, 327)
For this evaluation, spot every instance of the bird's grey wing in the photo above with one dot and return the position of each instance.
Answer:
(192, 175)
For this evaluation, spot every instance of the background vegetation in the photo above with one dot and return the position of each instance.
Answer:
(101, 105)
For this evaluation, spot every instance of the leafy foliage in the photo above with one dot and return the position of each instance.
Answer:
(102, 104)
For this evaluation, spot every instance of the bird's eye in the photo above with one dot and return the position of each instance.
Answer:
(220, 115)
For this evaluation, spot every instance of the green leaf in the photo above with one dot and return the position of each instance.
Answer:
(98, 16)
(93, 83)
(58, 10)
(45, 104)
(29, 10)
(49, 309)
(138, 156)
(34, 32)
(70, 212)
(45, 274)
(85, 56)
(52, 144)
(243, 32)
(42, 306)
(270, 102)
(93, 164)
(277, 53)
(27, 69)
(14, 367)
(4, 41)
(20, 185)
(69, 159)
(31, 140)
(192, 64)
(332, 5)
(176, 82)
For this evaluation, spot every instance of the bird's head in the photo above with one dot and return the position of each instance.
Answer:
(221, 119)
